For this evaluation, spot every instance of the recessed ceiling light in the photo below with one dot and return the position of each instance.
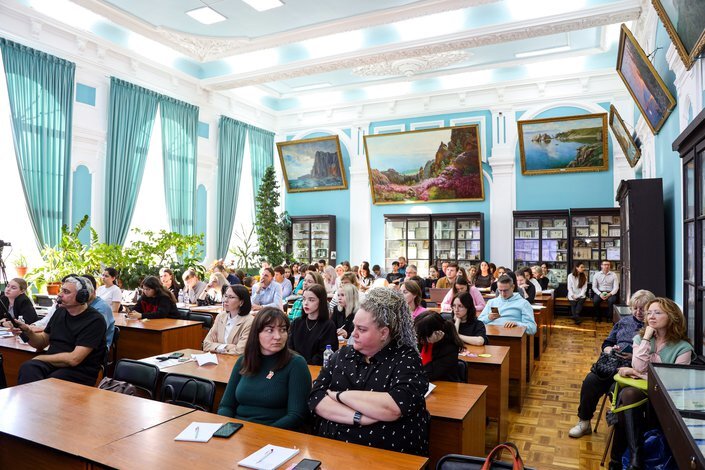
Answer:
(262, 5)
(552, 50)
(206, 15)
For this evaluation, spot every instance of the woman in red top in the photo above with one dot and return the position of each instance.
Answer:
(155, 302)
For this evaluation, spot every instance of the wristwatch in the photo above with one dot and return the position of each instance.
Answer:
(356, 418)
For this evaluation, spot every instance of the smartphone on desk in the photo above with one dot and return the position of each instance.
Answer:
(308, 464)
(176, 355)
(227, 430)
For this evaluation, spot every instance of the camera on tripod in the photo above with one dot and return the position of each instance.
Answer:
(4, 243)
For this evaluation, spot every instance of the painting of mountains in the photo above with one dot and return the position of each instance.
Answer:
(430, 165)
(563, 144)
(312, 164)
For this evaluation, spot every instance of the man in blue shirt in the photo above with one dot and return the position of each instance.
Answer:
(285, 284)
(513, 309)
(104, 309)
(266, 293)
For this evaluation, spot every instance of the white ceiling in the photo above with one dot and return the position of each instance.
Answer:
(346, 51)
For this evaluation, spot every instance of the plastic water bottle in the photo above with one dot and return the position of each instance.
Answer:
(326, 355)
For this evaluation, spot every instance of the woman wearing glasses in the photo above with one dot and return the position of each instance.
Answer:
(469, 328)
(231, 328)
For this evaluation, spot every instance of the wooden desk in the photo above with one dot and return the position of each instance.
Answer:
(156, 448)
(541, 335)
(521, 355)
(14, 354)
(139, 339)
(548, 301)
(494, 373)
(212, 309)
(54, 424)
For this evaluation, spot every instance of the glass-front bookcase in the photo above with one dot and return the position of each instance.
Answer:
(542, 237)
(432, 239)
(596, 236)
(313, 238)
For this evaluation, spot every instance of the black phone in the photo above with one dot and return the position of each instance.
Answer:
(227, 429)
(308, 464)
(627, 350)
(495, 310)
(175, 355)
(162, 358)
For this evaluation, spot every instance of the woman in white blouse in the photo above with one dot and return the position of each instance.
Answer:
(109, 291)
(232, 327)
(577, 286)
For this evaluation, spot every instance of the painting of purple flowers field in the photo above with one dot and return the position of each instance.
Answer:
(430, 165)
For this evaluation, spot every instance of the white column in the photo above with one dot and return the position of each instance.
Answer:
(503, 196)
(360, 199)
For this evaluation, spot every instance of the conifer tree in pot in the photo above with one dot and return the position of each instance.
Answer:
(272, 228)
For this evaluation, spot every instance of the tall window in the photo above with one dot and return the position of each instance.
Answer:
(245, 213)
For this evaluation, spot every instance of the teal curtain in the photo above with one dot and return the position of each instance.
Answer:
(40, 87)
(261, 154)
(231, 149)
(179, 141)
(131, 116)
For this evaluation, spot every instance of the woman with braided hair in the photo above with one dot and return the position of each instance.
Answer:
(372, 393)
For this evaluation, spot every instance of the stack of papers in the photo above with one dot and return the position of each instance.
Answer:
(205, 358)
(268, 457)
(198, 432)
(164, 364)
(430, 389)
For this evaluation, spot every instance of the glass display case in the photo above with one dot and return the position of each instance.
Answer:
(423, 240)
(542, 237)
(596, 235)
(677, 395)
(313, 238)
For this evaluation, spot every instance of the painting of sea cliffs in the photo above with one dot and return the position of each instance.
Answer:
(563, 144)
(312, 164)
(430, 165)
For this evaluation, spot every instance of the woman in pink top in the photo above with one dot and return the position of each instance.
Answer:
(412, 295)
(462, 285)
(664, 339)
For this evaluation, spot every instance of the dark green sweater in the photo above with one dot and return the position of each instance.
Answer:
(279, 401)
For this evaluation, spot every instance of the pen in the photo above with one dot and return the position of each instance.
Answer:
(266, 454)
(196, 433)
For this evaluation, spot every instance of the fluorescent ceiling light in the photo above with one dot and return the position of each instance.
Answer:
(206, 15)
(313, 86)
(263, 5)
(550, 50)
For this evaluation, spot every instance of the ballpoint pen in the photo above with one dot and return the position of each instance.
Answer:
(266, 454)
(196, 437)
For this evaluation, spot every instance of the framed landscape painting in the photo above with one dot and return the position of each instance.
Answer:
(643, 82)
(563, 144)
(683, 20)
(312, 164)
(430, 165)
(624, 137)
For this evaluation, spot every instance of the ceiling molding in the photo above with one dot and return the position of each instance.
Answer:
(600, 16)
(413, 66)
(208, 48)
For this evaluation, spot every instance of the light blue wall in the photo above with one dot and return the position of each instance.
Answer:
(335, 203)
(378, 211)
(568, 190)
(81, 201)
(201, 214)
(85, 94)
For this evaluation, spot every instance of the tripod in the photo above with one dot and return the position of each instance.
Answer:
(3, 273)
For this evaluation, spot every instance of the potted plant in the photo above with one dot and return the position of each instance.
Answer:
(20, 263)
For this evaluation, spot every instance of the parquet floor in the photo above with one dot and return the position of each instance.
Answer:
(540, 431)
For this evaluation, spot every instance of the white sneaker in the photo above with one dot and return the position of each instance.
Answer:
(581, 429)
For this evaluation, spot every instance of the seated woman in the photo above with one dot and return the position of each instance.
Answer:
(413, 296)
(440, 345)
(542, 280)
(373, 392)
(311, 333)
(155, 302)
(109, 291)
(346, 278)
(577, 289)
(470, 330)
(526, 289)
(213, 293)
(330, 277)
(430, 281)
(269, 382)
(484, 278)
(232, 327)
(462, 285)
(344, 312)
(531, 275)
(193, 287)
(663, 340)
(621, 336)
(365, 277)
(500, 270)
(14, 303)
(311, 278)
(166, 275)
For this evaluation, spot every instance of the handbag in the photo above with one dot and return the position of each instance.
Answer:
(464, 462)
(608, 364)
(117, 386)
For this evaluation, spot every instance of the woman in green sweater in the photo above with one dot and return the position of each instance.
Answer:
(269, 383)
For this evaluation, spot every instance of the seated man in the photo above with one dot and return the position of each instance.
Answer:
(75, 336)
(285, 284)
(395, 277)
(605, 286)
(266, 293)
(512, 308)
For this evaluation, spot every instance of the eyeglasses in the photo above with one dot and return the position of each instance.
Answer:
(230, 297)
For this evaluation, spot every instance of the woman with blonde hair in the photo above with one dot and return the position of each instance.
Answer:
(344, 312)
(330, 277)
(213, 293)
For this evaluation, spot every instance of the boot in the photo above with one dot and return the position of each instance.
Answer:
(633, 435)
(615, 465)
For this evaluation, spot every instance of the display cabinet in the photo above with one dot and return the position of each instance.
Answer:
(428, 239)
(596, 236)
(677, 397)
(313, 238)
(643, 237)
(542, 237)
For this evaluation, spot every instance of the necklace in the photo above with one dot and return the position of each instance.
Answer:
(315, 322)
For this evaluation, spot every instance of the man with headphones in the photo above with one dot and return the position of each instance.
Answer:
(75, 337)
